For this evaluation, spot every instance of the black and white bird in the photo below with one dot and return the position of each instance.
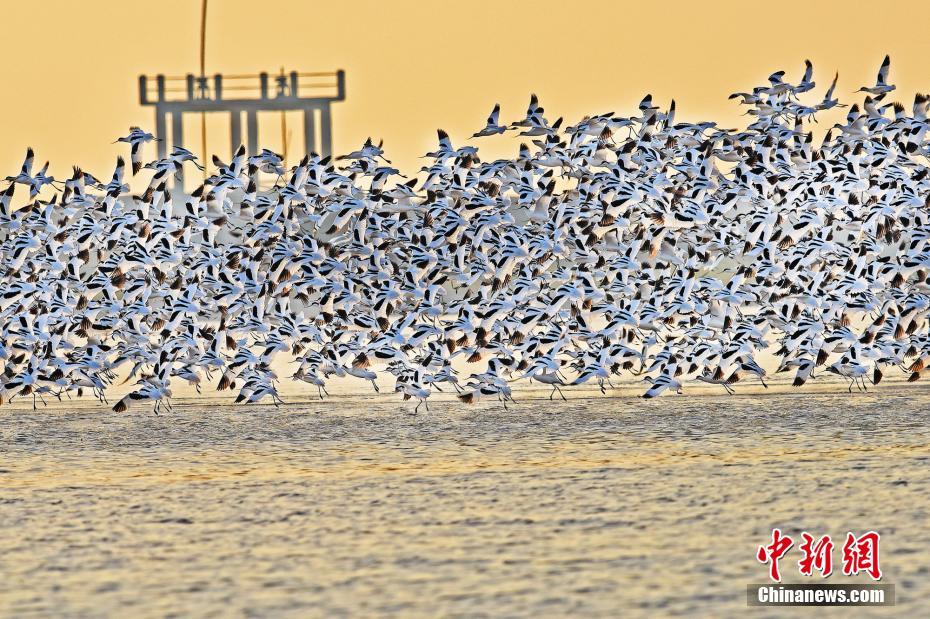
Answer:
(136, 138)
(614, 248)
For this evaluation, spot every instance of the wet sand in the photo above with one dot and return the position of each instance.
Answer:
(355, 507)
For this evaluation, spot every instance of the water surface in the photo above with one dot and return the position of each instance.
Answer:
(355, 507)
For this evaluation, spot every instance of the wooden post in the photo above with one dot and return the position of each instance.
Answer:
(235, 130)
(177, 128)
(252, 131)
(309, 130)
(326, 137)
(161, 131)
(177, 139)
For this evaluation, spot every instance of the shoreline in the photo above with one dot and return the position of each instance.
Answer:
(624, 390)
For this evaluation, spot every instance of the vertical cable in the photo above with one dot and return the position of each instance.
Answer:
(203, 62)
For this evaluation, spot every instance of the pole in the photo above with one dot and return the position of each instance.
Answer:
(235, 130)
(161, 131)
(177, 138)
(310, 131)
(203, 73)
(326, 135)
(251, 128)
(284, 128)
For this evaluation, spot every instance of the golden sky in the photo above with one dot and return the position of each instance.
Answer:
(413, 66)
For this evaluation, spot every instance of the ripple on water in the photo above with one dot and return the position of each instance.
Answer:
(582, 508)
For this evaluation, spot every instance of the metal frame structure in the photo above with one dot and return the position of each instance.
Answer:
(251, 94)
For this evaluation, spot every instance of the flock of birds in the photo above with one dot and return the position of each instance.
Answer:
(665, 251)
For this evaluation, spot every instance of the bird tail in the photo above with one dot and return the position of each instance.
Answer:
(225, 382)
(822, 356)
(121, 406)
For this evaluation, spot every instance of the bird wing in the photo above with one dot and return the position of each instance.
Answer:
(136, 157)
(808, 71)
(27, 163)
(829, 94)
(883, 71)
(5, 198)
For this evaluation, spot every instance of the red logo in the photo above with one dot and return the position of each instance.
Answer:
(817, 555)
(860, 554)
(773, 552)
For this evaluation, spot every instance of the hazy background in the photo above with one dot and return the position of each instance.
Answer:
(71, 68)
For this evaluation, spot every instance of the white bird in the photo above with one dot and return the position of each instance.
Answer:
(881, 87)
(492, 127)
(136, 138)
(613, 248)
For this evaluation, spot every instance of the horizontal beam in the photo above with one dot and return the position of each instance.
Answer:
(257, 105)
(197, 88)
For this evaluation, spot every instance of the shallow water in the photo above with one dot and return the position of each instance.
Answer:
(355, 507)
